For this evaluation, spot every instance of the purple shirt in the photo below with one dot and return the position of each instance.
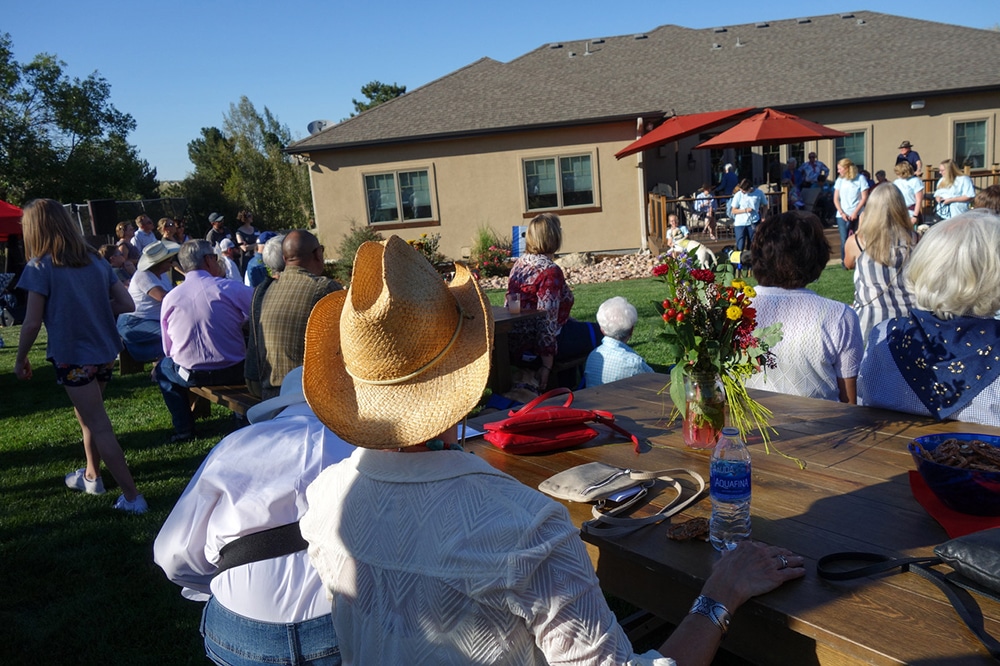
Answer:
(202, 321)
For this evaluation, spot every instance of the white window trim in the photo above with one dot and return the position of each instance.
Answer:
(595, 179)
(395, 170)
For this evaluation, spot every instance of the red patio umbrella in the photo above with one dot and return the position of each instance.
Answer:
(771, 128)
(678, 127)
(10, 221)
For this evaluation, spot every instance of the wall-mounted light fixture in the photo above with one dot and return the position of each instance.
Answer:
(691, 161)
(917, 104)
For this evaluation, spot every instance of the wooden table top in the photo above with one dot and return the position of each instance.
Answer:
(854, 495)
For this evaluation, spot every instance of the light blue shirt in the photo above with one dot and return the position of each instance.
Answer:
(850, 192)
(612, 360)
(961, 187)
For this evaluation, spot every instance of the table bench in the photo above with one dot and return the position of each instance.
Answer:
(235, 397)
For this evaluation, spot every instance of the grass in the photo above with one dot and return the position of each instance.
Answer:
(78, 578)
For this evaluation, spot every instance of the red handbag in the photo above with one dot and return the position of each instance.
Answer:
(536, 429)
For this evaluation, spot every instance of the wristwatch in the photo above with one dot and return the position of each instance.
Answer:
(713, 610)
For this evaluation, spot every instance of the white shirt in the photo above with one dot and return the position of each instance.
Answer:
(909, 187)
(143, 282)
(961, 187)
(232, 270)
(252, 480)
(142, 238)
(821, 342)
(850, 192)
(438, 558)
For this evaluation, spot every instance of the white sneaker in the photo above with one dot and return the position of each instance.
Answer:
(138, 505)
(78, 481)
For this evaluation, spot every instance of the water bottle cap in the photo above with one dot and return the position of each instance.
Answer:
(729, 431)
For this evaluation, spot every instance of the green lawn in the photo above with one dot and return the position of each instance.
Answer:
(79, 583)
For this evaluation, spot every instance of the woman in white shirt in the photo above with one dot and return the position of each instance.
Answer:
(140, 330)
(954, 191)
(912, 189)
(746, 214)
(850, 193)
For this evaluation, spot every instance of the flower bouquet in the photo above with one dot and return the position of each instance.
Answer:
(711, 331)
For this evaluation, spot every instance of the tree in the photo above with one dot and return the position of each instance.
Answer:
(242, 166)
(377, 93)
(62, 138)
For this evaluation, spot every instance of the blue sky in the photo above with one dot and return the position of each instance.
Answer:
(177, 66)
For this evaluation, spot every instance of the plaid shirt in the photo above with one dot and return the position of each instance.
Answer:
(283, 315)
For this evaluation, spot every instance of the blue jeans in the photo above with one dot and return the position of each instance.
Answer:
(141, 337)
(744, 236)
(843, 226)
(234, 640)
(174, 389)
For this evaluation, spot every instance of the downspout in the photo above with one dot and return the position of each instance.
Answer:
(641, 183)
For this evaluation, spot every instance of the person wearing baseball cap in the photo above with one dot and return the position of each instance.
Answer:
(431, 555)
(218, 230)
(256, 270)
(907, 154)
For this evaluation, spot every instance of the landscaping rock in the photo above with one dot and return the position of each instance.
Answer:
(604, 268)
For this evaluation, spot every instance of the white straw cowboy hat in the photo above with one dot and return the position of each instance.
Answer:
(156, 252)
(401, 356)
(290, 394)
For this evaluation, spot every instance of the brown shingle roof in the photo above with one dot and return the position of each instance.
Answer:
(789, 63)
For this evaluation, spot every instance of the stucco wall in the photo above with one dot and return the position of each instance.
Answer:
(479, 181)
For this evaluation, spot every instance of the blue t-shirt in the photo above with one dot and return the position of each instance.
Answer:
(77, 315)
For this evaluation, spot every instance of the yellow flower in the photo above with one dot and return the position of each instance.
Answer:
(749, 291)
(738, 284)
(733, 312)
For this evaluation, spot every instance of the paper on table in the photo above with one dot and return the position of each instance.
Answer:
(470, 433)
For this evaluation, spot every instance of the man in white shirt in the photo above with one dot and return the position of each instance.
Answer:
(228, 253)
(812, 169)
(254, 480)
(143, 232)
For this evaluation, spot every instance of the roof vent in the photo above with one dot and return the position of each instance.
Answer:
(555, 46)
(716, 46)
(739, 43)
(639, 36)
(586, 49)
(572, 54)
(861, 21)
(803, 20)
(597, 41)
(846, 16)
(763, 25)
(719, 30)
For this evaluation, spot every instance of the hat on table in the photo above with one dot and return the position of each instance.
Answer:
(291, 394)
(156, 252)
(401, 356)
(215, 217)
(906, 144)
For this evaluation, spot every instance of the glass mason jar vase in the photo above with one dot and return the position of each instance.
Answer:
(704, 410)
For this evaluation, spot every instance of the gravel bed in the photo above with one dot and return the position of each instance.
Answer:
(606, 268)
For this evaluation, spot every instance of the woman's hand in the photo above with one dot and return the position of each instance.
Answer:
(22, 369)
(752, 568)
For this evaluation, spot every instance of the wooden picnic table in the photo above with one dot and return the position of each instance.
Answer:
(854, 495)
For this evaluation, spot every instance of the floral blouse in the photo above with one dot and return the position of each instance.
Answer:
(542, 286)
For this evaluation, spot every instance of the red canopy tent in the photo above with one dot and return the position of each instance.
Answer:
(678, 127)
(10, 221)
(771, 128)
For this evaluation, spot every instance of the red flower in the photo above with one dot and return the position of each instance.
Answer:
(702, 274)
(660, 269)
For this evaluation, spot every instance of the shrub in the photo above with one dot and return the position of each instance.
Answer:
(349, 247)
(427, 245)
(491, 252)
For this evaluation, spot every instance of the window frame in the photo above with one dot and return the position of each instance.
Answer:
(986, 139)
(561, 207)
(399, 222)
(863, 164)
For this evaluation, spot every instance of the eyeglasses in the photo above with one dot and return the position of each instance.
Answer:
(169, 226)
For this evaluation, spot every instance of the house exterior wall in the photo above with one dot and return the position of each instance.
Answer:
(479, 181)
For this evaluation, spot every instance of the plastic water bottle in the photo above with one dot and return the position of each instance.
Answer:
(730, 491)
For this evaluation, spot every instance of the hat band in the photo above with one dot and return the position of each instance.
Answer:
(419, 371)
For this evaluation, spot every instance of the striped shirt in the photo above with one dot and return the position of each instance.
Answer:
(879, 290)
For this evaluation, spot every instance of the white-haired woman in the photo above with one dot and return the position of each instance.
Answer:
(431, 555)
(613, 359)
(954, 191)
(878, 253)
(943, 359)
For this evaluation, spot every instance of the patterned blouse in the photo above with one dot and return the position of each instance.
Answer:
(880, 291)
(542, 286)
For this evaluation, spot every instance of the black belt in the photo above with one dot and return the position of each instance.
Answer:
(231, 375)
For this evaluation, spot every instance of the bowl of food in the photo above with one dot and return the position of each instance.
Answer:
(961, 469)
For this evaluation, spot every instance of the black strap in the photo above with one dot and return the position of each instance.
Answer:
(275, 542)
(956, 590)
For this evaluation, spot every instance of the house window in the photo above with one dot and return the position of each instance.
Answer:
(970, 144)
(399, 196)
(798, 151)
(852, 147)
(559, 182)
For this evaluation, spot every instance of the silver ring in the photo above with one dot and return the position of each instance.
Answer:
(784, 562)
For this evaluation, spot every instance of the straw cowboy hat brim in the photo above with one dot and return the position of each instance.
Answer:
(401, 356)
(156, 252)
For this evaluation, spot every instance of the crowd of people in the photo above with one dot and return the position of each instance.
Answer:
(364, 389)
